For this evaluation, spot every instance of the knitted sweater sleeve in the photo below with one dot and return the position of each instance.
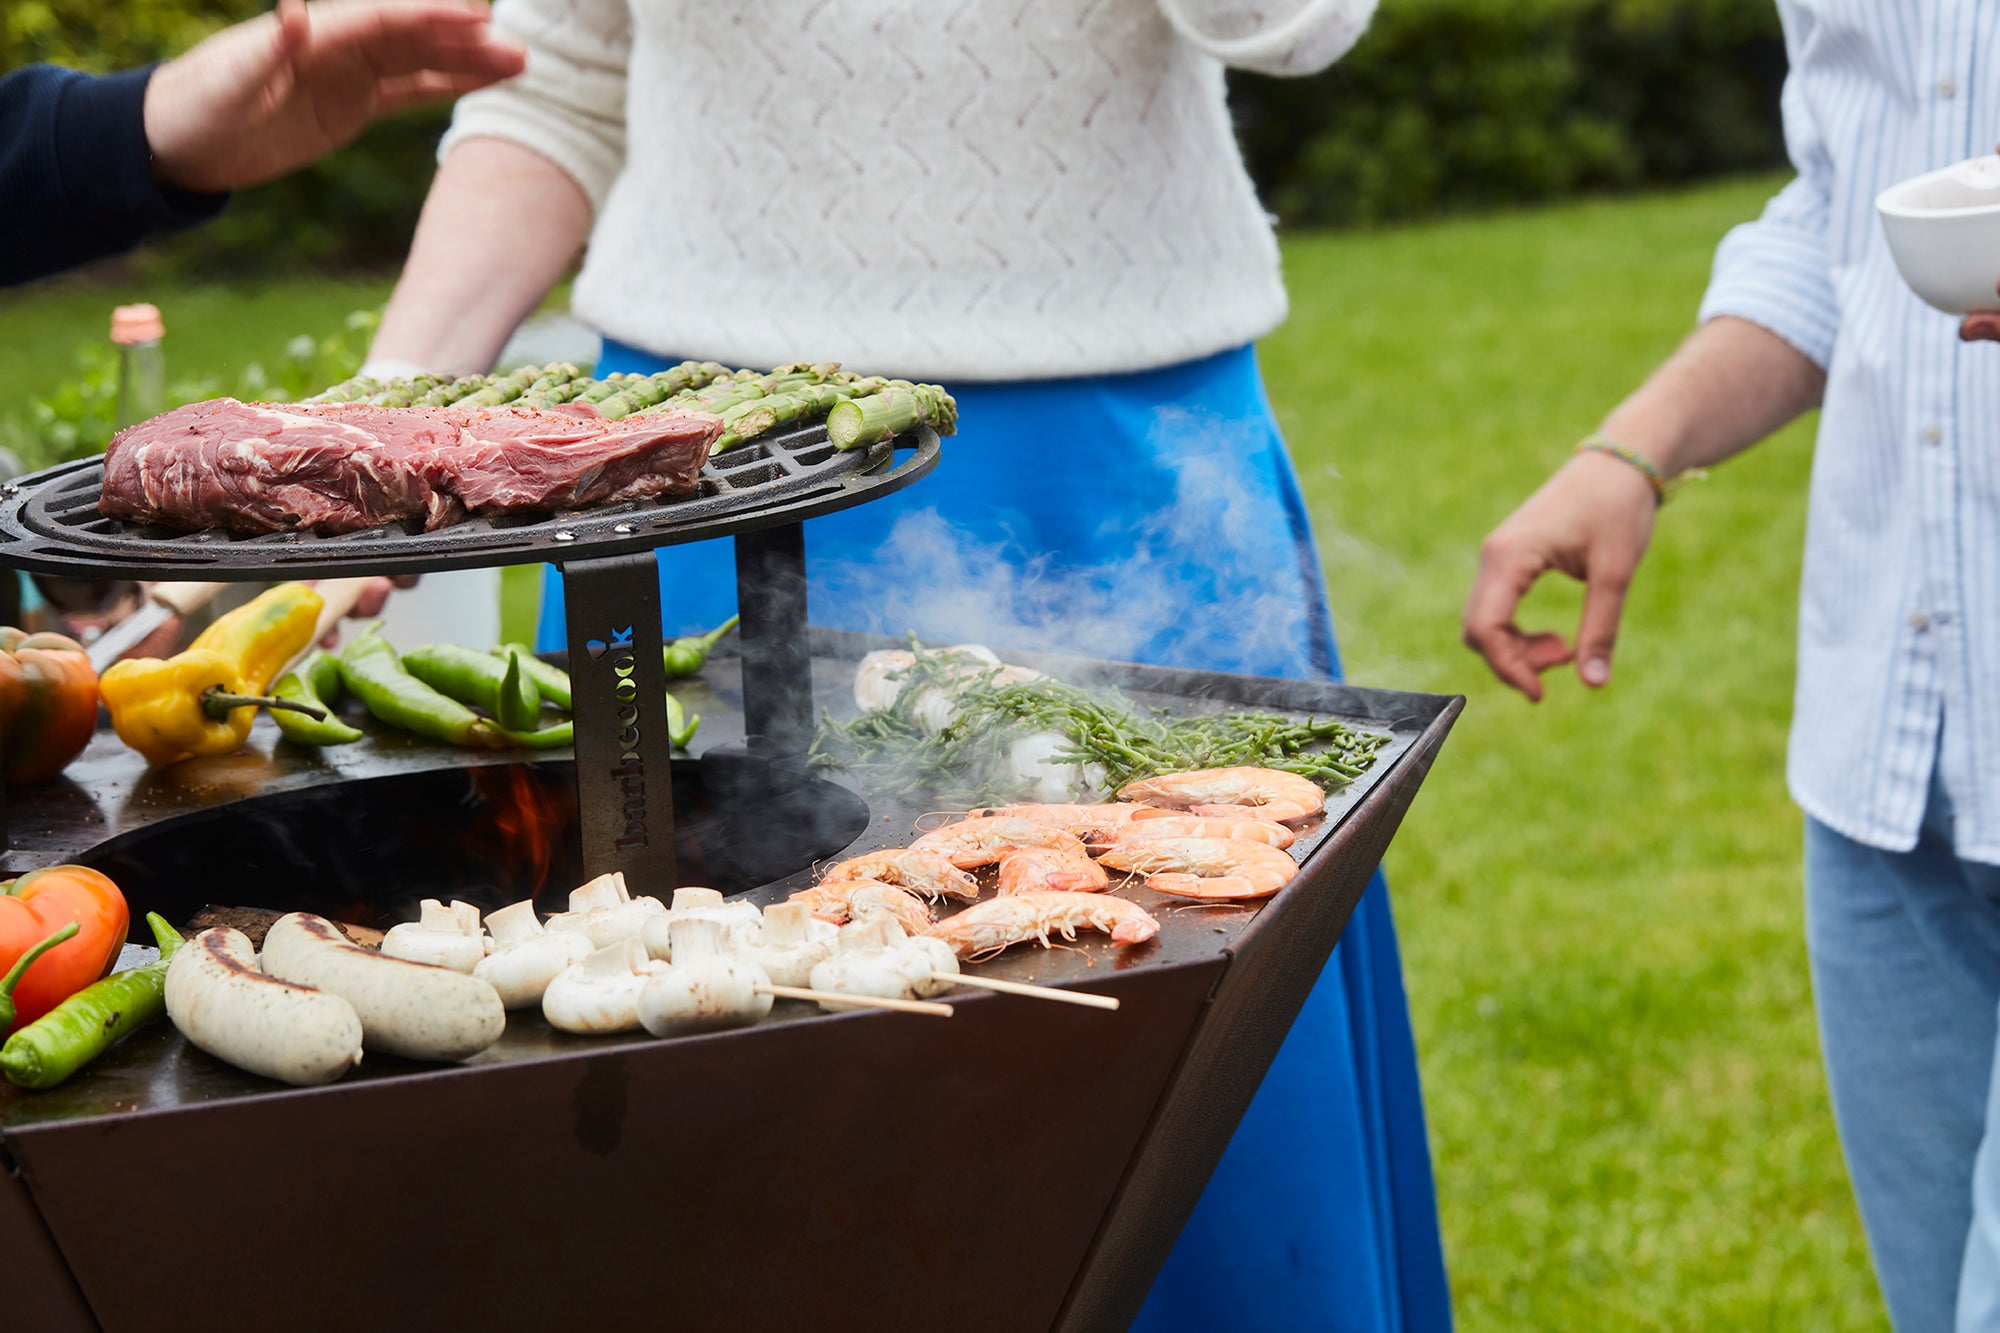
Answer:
(569, 104)
(1271, 36)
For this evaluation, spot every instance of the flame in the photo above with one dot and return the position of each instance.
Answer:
(526, 820)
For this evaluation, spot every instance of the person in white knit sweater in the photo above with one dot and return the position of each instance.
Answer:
(1040, 205)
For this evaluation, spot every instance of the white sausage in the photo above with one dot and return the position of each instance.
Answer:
(223, 1004)
(407, 1009)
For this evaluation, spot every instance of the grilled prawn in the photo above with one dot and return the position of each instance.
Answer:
(1272, 793)
(928, 871)
(1077, 819)
(984, 839)
(1029, 869)
(841, 899)
(1016, 918)
(1267, 831)
(1222, 869)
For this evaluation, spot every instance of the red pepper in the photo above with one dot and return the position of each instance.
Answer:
(39, 904)
(48, 704)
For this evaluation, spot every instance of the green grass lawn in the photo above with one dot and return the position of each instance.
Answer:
(1599, 897)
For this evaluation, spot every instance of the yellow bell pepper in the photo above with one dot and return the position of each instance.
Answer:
(202, 701)
(265, 633)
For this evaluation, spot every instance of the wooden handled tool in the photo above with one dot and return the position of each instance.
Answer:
(164, 601)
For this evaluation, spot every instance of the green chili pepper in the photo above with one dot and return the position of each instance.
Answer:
(498, 685)
(314, 681)
(81, 1028)
(680, 727)
(685, 655)
(372, 673)
(551, 681)
(552, 737)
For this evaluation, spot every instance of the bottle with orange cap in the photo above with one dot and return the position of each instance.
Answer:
(142, 367)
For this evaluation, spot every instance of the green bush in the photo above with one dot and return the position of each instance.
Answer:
(356, 207)
(1454, 105)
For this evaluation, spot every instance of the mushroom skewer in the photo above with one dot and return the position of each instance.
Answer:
(1084, 998)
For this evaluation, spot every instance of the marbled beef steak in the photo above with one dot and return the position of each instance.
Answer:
(341, 467)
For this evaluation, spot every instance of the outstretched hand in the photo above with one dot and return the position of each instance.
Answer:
(275, 93)
(1591, 520)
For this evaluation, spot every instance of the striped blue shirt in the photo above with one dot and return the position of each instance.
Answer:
(1899, 620)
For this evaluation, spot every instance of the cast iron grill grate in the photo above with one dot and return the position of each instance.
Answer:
(49, 522)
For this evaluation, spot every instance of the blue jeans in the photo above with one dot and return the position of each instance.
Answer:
(1905, 953)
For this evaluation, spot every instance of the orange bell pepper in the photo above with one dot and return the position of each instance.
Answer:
(48, 703)
(38, 905)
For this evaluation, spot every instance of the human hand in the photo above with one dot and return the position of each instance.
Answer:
(1981, 326)
(1591, 520)
(372, 596)
(275, 93)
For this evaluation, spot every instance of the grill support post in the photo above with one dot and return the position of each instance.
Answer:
(777, 670)
(624, 779)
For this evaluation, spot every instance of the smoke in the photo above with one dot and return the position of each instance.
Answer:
(1200, 567)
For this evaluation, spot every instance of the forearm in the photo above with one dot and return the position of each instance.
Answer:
(76, 177)
(499, 228)
(1731, 384)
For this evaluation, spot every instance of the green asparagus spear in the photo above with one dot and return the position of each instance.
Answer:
(505, 389)
(746, 421)
(348, 391)
(447, 394)
(551, 378)
(858, 422)
(402, 393)
(611, 384)
(656, 389)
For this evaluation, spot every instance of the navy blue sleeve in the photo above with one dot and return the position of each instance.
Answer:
(76, 175)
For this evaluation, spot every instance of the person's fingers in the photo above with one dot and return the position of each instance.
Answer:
(1980, 328)
(443, 53)
(1506, 572)
(1545, 651)
(373, 597)
(389, 36)
(1603, 603)
(294, 28)
(415, 90)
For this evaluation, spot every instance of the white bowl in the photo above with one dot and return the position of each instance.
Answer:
(1944, 232)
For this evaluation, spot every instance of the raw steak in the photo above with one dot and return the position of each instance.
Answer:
(510, 459)
(340, 467)
(254, 467)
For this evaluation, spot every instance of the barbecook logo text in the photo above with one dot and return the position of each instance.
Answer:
(631, 770)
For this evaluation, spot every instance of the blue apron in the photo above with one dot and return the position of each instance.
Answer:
(1155, 517)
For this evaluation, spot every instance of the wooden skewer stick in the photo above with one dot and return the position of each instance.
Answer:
(856, 1001)
(1033, 992)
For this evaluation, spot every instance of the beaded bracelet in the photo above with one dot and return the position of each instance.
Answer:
(1597, 444)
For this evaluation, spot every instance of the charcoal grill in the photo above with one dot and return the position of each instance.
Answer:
(759, 493)
(1021, 1166)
